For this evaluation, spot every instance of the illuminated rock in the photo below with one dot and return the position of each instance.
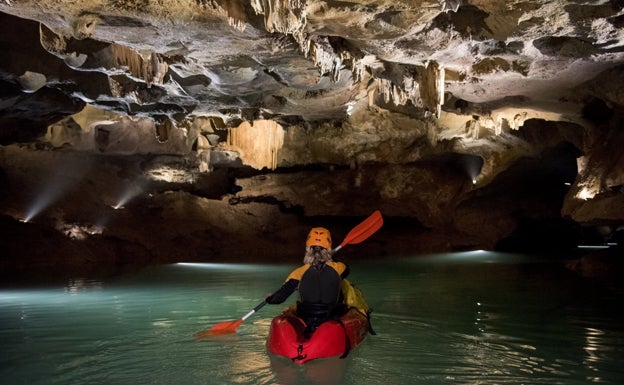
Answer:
(463, 120)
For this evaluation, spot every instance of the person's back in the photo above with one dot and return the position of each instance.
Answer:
(320, 285)
(318, 281)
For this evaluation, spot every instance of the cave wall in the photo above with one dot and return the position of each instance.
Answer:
(223, 130)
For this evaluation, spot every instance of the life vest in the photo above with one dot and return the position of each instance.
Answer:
(320, 285)
(320, 292)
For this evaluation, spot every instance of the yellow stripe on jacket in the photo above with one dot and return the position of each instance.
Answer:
(298, 272)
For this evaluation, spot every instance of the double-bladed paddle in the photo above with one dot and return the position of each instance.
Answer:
(362, 231)
(358, 234)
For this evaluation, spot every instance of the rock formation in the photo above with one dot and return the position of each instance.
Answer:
(157, 131)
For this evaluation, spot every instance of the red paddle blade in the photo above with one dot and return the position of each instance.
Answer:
(219, 329)
(364, 230)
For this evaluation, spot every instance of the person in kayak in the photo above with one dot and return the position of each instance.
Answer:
(318, 281)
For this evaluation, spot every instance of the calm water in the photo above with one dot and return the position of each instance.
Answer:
(462, 318)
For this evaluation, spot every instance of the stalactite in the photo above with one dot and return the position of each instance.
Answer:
(258, 143)
(152, 69)
(392, 93)
(432, 87)
(281, 16)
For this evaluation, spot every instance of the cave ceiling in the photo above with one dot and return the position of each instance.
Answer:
(467, 118)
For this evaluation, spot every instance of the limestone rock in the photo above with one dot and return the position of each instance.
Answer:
(463, 121)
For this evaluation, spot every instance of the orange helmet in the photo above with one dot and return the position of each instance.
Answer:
(319, 236)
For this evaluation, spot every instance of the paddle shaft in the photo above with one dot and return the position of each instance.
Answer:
(255, 309)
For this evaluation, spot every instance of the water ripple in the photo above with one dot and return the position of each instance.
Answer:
(435, 324)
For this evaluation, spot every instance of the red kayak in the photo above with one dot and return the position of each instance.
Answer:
(333, 338)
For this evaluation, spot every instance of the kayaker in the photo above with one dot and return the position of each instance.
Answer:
(318, 281)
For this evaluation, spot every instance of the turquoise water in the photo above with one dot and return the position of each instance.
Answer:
(463, 318)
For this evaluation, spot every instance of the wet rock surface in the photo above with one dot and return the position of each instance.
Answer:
(221, 130)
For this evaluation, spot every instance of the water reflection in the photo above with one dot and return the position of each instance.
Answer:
(593, 340)
(471, 257)
(77, 285)
(438, 321)
(598, 347)
(329, 371)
